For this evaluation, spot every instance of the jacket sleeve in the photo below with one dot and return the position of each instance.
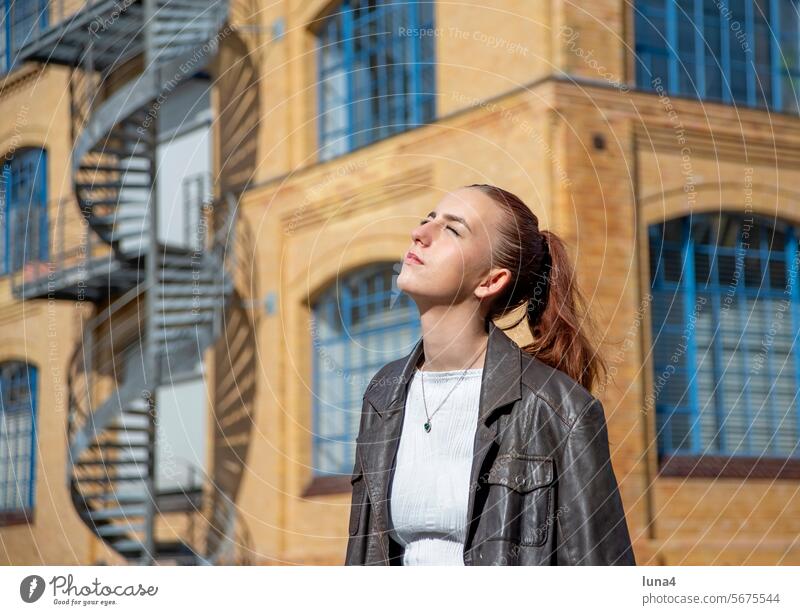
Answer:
(358, 539)
(590, 516)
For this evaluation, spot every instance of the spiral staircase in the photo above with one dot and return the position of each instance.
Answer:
(169, 298)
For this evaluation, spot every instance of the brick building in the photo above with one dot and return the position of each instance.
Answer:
(658, 138)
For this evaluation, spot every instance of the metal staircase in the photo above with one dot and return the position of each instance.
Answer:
(154, 332)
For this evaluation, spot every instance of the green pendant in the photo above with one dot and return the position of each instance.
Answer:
(427, 426)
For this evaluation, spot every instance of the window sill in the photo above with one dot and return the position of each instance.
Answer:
(727, 466)
(16, 517)
(327, 485)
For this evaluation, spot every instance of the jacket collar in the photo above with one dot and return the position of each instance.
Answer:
(500, 382)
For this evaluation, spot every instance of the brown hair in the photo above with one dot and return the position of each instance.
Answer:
(542, 278)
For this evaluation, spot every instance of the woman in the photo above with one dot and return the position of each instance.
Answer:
(472, 450)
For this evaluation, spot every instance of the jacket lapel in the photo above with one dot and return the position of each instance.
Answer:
(378, 444)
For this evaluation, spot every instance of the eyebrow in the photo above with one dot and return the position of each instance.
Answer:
(451, 217)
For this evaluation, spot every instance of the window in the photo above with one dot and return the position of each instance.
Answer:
(743, 52)
(17, 440)
(726, 315)
(22, 21)
(360, 323)
(376, 72)
(23, 204)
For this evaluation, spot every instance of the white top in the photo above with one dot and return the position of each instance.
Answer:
(430, 484)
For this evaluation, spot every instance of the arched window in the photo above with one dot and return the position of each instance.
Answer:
(17, 441)
(726, 316)
(360, 323)
(23, 199)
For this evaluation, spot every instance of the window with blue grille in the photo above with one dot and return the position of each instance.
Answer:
(360, 323)
(726, 319)
(17, 440)
(743, 52)
(22, 21)
(23, 204)
(376, 72)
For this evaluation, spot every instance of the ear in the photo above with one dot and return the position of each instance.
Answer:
(493, 283)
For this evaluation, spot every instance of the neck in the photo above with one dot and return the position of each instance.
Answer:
(452, 340)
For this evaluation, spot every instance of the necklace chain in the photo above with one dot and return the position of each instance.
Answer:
(427, 424)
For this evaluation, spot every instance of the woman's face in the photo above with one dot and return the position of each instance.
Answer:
(454, 244)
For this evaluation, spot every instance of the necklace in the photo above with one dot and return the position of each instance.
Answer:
(427, 424)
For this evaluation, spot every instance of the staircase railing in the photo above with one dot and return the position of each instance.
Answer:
(116, 370)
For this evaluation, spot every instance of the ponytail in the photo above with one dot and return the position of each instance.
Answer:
(543, 280)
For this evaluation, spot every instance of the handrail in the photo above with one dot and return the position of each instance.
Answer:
(231, 520)
(70, 242)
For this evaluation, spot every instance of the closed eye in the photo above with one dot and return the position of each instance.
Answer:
(425, 221)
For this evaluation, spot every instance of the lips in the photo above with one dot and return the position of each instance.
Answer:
(413, 258)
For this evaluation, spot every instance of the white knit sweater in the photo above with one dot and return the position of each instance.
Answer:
(430, 482)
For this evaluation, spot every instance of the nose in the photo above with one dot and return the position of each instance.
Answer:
(422, 233)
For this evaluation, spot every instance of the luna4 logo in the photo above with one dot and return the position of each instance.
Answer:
(31, 588)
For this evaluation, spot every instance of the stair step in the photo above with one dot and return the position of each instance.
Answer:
(109, 479)
(128, 546)
(118, 513)
(120, 530)
(116, 185)
(90, 202)
(128, 428)
(109, 168)
(188, 290)
(171, 335)
(116, 218)
(112, 463)
(185, 319)
(180, 275)
(121, 153)
(185, 13)
(177, 260)
(121, 498)
(199, 303)
(118, 445)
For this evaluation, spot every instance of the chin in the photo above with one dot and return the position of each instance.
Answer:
(407, 283)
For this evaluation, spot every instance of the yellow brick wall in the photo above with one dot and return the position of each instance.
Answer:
(34, 105)
(319, 220)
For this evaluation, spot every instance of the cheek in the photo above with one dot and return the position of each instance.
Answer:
(456, 264)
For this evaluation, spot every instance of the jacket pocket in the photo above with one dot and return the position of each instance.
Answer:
(520, 498)
(359, 500)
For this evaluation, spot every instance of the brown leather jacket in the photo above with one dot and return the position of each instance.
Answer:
(543, 491)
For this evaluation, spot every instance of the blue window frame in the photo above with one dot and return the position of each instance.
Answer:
(743, 52)
(726, 316)
(17, 440)
(376, 72)
(360, 323)
(22, 20)
(23, 202)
